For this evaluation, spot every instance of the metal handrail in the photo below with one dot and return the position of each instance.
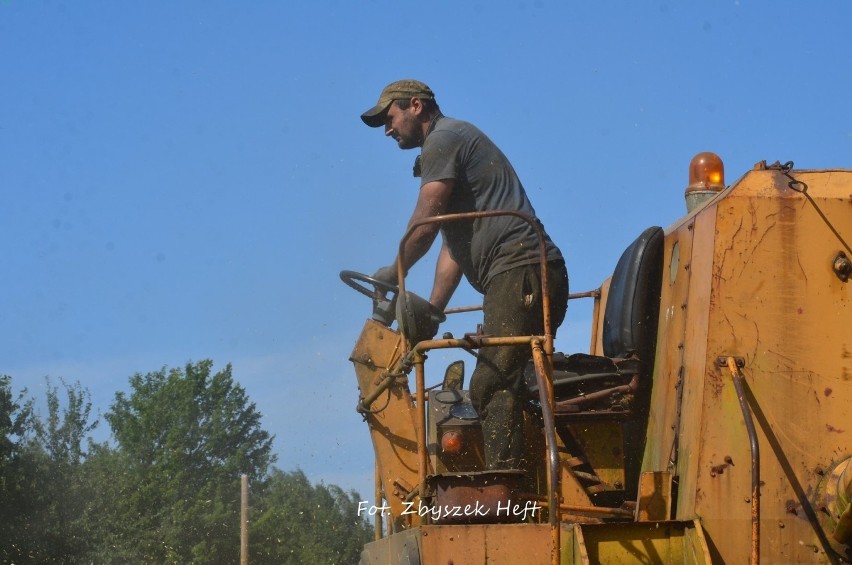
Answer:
(477, 307)
(755, 459)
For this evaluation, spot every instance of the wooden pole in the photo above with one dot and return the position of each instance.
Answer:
(244, 520)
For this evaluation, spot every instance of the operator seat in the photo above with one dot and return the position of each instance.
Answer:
(633, 304)
(616, 385)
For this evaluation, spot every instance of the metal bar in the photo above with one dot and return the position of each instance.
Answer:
(545, 394)
(476, 308)
(590, 294)
(755, 461)
(577, 509)
(631, 387)
(377, 531)
(461, 309)
(366, 403)
(476, 342)
(596, 320)
(414, 492)
(422, 455)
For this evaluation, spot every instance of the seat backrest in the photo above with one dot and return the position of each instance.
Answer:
(633, 303)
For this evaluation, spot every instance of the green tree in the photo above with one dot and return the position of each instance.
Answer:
(296, 523)
(186, 436)
(168, 490)
(16, 419)
(40, 518)
(17, 431)
(109, 526)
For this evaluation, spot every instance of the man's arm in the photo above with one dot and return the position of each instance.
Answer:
(448, 273)
(432, 201)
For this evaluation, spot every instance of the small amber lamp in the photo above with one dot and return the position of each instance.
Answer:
(706, 179)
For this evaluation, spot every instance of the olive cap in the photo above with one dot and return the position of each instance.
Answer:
(401, 89)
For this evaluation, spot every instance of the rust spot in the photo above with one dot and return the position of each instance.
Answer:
(799, 310)
(828, 391)
(831, 428)
(718, 469)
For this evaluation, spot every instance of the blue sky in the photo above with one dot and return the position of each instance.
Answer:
(185, 180)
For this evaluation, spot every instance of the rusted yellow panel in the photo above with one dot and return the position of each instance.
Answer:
(666, 543)
(603, 445)
(654, 501)
(596, 345)
(674, 543)
(668, 367)
(516, 543)
(573, 550)
(399, 548)
(771, 297)
(696, 314)
(453, 544)
(391, 419)
(491, 544)
(787, 314)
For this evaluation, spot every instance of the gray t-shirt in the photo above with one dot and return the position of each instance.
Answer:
(484, 180)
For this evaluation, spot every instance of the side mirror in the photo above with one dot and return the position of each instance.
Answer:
(454, 376)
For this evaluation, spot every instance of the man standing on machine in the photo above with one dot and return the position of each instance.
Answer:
(461, 170)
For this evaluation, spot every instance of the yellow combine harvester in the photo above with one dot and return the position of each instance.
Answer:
(710, 422)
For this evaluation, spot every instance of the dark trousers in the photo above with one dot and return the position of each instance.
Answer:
(512, 307)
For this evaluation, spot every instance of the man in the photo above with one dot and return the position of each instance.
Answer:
(461, 170)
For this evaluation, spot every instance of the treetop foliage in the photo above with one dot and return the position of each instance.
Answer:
(167, 489)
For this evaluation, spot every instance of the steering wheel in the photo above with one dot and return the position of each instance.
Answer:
(352, 279)
(416, 308)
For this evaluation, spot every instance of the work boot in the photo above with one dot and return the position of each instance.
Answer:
(503, 432)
